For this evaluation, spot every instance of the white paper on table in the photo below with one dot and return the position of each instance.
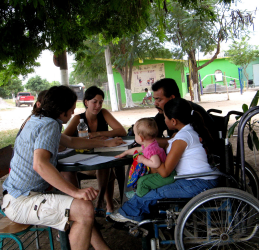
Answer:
(97, 160)
(121, 147)
(76, 158)
(128, 142)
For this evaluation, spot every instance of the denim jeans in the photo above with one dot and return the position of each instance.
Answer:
(136, 207)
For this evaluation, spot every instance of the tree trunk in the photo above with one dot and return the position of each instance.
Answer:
(195, 84)
(129, 101)
(126, 74)
(113, 98)
(194, 75)
(62, 58)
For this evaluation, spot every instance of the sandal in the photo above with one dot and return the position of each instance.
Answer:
(107, 216)
(99, 212)
(58, 238)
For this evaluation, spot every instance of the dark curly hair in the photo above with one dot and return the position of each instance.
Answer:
(57, 100)
(91, 92)
(169, 87)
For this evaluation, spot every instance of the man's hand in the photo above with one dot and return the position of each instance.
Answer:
(88, 194)
(141, 158)
(114, 142)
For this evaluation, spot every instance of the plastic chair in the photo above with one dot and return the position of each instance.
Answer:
(12, 233)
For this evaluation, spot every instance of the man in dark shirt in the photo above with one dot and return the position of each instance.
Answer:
(167, 89)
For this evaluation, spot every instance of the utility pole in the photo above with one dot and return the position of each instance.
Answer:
(113, 98)
(61, 62)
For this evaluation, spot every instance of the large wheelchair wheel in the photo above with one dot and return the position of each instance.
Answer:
(252, 181)
(219, 218)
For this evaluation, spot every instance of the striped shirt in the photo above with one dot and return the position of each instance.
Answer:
(38, 133)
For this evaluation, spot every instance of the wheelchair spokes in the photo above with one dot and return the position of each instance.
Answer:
(214, 221)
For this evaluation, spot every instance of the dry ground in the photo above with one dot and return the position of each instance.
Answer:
(120, 240)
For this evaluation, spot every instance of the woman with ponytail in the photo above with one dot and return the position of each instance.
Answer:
(188, 152)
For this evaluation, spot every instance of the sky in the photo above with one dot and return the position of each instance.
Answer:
(50, 72)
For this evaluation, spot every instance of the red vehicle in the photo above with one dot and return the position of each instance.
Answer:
(24, 98)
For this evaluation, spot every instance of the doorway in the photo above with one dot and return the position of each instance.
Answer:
(256, 74)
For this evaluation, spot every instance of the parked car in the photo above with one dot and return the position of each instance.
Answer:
(24, 98)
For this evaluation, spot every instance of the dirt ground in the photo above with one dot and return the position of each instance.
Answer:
(118, 239)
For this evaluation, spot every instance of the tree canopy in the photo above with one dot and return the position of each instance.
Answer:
(11, 89)
(90, 66)
(242, 53)
(29, 27)
(192, 32)
(36, 84)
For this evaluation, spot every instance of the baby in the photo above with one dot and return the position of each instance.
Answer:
(147, 158)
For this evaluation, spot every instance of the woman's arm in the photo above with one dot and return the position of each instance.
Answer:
(163, 142)
(72, 126)
(117, 129)
(83, 143)
(51, 175)
(129, 152)
(153, 162)
(172, 158)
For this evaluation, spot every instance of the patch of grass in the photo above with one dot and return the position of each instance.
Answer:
(10, 102)
(7, 137)
(79, 105)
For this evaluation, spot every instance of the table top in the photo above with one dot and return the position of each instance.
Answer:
(115, 163)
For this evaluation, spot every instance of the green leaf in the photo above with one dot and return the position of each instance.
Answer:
(252, 140)
(255, 100)
(238, 117)
(35, 4)
(232, 129)
(249, 142)
(244, 107)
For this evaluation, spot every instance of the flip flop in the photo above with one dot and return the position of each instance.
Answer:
(99, 212)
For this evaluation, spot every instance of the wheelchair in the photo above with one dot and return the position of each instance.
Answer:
(226, 217)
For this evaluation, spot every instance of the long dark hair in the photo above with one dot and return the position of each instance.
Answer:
(91, 92)
(57, 100)
(181, 109)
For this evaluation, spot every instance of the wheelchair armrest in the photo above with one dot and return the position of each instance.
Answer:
(233, 112)
(214, 110)
(213, 173)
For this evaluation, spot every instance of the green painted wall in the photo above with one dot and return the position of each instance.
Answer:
(249, 69)
(170, 72)
(222, 64)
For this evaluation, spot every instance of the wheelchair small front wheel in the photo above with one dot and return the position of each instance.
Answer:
(219, 218)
